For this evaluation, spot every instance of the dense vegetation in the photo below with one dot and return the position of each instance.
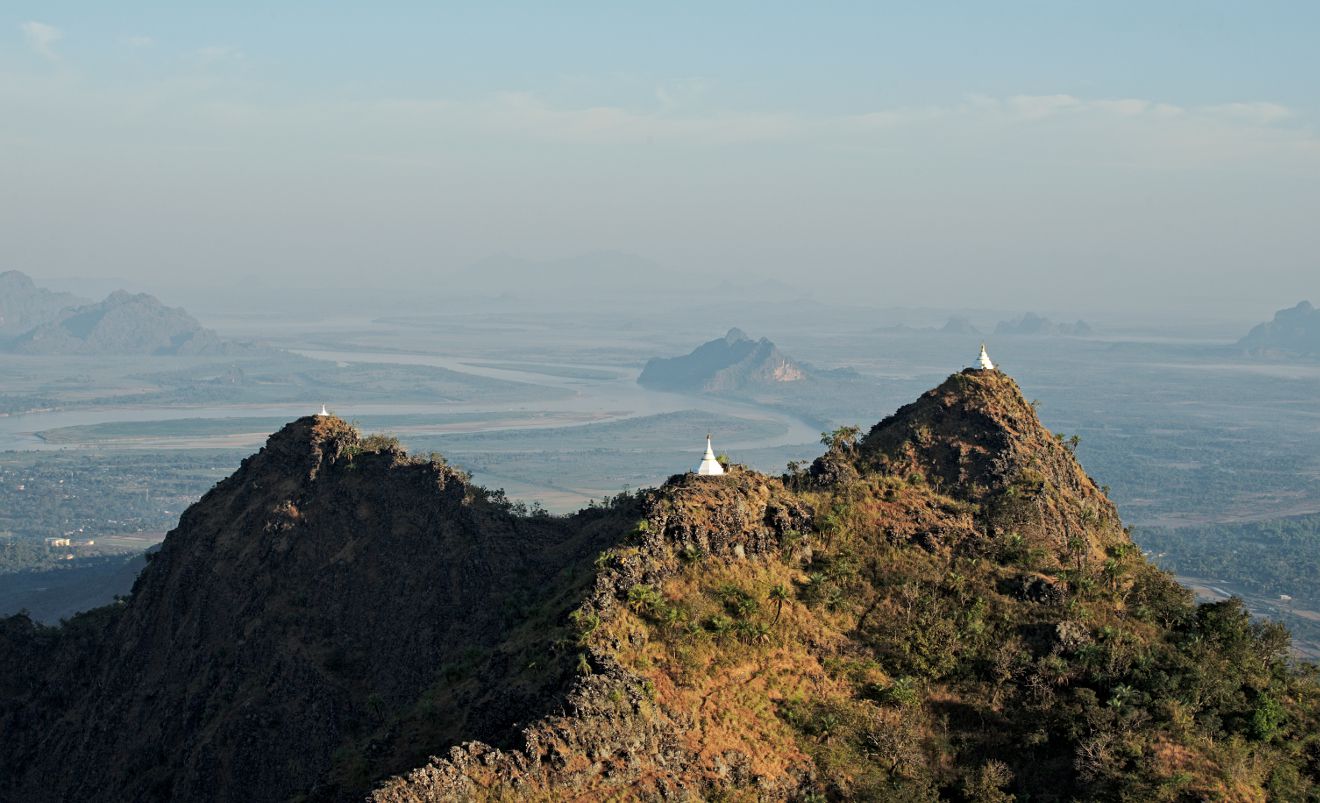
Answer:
(916, 673)
(1270, 558)
(960, 616)
(1273, 565)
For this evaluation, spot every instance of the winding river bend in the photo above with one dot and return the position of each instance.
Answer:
(589, 401)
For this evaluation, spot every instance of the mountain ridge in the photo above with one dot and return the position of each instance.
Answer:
(122, 323)
(24, 305)
(944, 608)
(1036, 325)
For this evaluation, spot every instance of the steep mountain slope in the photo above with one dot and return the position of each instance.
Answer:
(946, 608)
(976, 438)
(300, 606)
(122, 323)
(1293, 331)
(731, 363)
(23, 305)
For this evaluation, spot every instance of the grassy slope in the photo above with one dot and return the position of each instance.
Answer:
(962, 619)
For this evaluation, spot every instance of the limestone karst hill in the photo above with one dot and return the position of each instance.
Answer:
(730, 363)
(946, 608)
(122, 323)
(24, 305)
(1293, 332)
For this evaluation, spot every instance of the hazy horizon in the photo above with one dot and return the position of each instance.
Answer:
(1115, 160)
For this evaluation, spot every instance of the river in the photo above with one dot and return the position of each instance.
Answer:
(602, 399)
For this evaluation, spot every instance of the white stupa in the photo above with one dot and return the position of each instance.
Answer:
(709, 465)
(983, 361)
(324, 412)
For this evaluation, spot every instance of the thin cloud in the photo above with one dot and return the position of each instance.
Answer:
(42, 38)
(1033, 107)
(1259, 113)
(217, 53)
(137, 41)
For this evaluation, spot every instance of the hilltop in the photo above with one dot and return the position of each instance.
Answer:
(945, 607)
(1294, 331)
(731, 363)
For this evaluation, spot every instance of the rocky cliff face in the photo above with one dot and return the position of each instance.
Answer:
(950, 611)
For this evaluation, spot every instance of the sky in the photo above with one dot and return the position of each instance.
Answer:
(1095, 158)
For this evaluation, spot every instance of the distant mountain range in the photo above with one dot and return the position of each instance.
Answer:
(1033, 324)
(1294, 331)
(730, 363)
(38, 321)
(23, 305)
(959, 326)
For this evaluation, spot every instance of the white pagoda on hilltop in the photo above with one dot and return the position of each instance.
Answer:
(324, 412)
(983, 361)
(709, 465)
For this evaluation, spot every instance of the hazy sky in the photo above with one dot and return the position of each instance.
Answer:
(1055, 155)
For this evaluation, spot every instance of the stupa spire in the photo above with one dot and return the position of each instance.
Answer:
(709, 465)
(324, 412)
(983, 361)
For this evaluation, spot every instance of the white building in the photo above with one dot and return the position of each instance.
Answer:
(983, 361)
(709, 465)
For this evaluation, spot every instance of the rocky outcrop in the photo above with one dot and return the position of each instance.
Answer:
(732, 363)
(977, 438)
(1293, 332)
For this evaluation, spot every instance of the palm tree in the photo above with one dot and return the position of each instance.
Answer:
(779, 594)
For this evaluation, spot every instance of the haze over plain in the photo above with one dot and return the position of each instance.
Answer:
(1114, 158)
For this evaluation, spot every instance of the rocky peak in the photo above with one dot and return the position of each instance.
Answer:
(976, 438)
